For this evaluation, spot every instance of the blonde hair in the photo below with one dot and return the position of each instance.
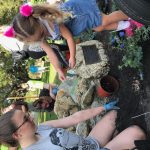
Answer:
(25, 27)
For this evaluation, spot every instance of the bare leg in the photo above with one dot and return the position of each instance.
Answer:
(112, 26)
(109, 22)
(113, 17)
(125, 140)
(104, 129)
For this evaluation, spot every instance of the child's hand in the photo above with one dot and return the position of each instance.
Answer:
(72, 62)
(61, 76)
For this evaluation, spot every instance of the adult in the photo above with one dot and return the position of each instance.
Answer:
(19, 105)
(17, 127)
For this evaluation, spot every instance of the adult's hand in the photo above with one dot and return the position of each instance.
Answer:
(111, 105)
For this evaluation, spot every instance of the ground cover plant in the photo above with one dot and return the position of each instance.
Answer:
(129, 42)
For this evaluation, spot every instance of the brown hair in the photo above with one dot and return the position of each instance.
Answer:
(19, 103)
(37, 103)
(7, 127)
(25, 27)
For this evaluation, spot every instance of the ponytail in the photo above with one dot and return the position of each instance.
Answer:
(26, 22)
(47, 12)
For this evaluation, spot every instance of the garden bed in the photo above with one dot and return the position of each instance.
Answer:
(134, 93)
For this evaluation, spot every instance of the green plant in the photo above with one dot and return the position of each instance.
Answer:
(131, 46)
(11, 74)
(9, 8)
(37, 1)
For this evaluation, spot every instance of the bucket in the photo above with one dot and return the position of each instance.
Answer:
(108, 86)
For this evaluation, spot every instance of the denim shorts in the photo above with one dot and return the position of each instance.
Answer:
(94, 145)
(85, 15)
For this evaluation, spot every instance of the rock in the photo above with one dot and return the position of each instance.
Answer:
(82, 87)
(87, 98)
(64, 105)
(69, 86)
(95, 70)
(82, 129)
(94, 120)
(72, 129)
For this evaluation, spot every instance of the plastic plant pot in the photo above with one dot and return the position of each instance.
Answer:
(108, 86)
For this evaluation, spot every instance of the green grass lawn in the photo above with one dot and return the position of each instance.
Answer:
(47, 77)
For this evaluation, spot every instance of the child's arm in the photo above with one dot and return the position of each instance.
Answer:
(53, 59)
(50, 87)
(50, 92)
(71, 44)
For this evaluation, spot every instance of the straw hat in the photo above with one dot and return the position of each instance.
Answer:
(138, 10)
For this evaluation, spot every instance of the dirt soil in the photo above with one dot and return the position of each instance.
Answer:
(134, 93)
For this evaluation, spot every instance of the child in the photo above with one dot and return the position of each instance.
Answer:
(34, 84)
(41, 22)
(45, 103)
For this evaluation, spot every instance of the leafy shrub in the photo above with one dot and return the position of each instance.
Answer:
(9, 8)
(10, 74)
(37, 1)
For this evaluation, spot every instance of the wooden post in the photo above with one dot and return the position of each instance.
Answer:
(22, 97)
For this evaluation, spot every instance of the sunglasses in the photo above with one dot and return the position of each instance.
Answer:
(26, 119)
